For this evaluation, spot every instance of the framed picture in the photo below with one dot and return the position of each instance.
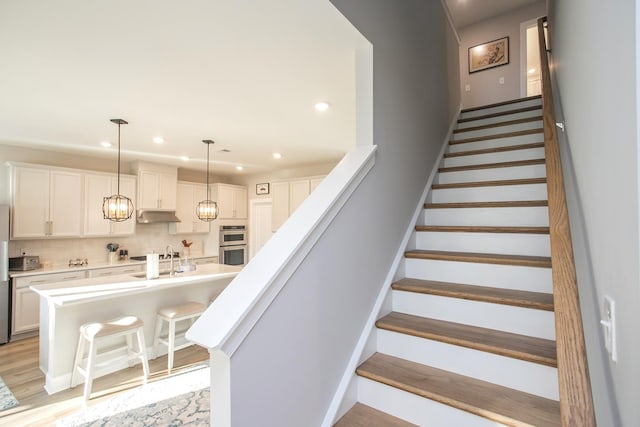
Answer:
(262, 188)
(488, 55)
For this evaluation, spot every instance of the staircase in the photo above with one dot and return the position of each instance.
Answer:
(470, 340)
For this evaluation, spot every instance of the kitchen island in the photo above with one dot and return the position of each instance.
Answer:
(64, 306)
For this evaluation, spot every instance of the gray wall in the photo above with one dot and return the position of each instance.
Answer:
(290, 380)
(485, 86)
(594, 57)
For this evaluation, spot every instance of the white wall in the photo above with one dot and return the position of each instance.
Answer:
(594, 55)
(485, 86)
(287, 369)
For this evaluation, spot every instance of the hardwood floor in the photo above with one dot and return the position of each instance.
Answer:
(19, 370)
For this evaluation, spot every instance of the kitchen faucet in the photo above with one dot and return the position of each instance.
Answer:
(169, 250)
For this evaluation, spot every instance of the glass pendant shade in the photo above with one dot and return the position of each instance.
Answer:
(207, 210)
(117, 207)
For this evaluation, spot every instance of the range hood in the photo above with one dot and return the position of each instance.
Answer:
(145, 216)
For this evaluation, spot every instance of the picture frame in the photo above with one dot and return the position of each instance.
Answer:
(262, 188)
(494, 53)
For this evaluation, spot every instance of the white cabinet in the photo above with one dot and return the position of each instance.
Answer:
(26, 303)
(188, 197)
(287, 196)
(231, 200)
(96, 188)
(207, 260)
(46, 203)
(157, 186)
(114, 271)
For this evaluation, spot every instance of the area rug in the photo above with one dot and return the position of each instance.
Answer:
(7, 399)
(180, 400)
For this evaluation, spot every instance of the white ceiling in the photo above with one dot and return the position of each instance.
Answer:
(467, 12)
(243, 73)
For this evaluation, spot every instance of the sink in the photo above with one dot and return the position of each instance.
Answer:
(163, 274)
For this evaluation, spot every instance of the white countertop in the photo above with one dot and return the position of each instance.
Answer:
(64, 268)
(98, 288)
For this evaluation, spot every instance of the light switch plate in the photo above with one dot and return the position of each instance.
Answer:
(501, 80)
(609, 326)
(467, 88)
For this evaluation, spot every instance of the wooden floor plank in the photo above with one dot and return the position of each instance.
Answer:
(365, 416)
(531, 349)
(519, 260)
(497, 403)
(513, 297)
(502, 103)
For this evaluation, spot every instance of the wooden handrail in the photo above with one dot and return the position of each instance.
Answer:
(576, 403)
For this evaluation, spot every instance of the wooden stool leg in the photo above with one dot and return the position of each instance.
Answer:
(156, 338)
(172, 343)
(143, 353)
(77, 361)
(90, 362)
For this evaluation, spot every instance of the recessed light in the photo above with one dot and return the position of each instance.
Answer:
(105, 144)
(184, 158)
(158, 140)
(239, 168)
(322, 106)
(277, 155)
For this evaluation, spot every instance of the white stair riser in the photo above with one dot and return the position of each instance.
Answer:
(496, 142)
(496, 193)
(497, 130)
(533, 279)
(496, 243)
(493, 174)
(505, 156)
(517, 374)
(508, 217)
(518, 320)
(416, 409)
(499, 119)
(501, 108)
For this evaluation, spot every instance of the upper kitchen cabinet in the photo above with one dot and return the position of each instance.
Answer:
(46, 202)
(96, 188)
(287, 196)
(189, 195)
(231, 199)
(157, 186)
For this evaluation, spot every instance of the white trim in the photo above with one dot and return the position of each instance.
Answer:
(450, 19)
(332, 413)
(523, 54)
(253, 203)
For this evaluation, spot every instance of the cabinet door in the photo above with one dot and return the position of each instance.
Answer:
(279, 204)
(96, 188)
(240, 203)
(30, 194)
(127, 188)
(148, 190)
(199, 194)
(184, 209)
(313, 183)
(65, 204)
(168, 189)
(114, 271)
(26, 311)
(298, 191)
(225, 202)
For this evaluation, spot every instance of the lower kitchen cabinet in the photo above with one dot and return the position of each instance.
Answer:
(26, 303)
(114, 271)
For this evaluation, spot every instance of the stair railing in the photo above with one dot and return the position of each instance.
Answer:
(576, 403)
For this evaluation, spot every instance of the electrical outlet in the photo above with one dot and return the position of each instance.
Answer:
(501, 80)
(467, 88)
(23, 251)
(609, 325)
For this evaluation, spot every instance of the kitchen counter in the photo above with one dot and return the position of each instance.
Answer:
(64, 306)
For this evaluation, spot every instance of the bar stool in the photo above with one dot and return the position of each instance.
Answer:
(172, 315)
(96, 332)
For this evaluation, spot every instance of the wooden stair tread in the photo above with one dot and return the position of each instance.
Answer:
(483, 258)
(499, 124)
(505, 204)
(492, 165)
(497, 403)
(497, 183)
(482, 229)
(495, 150)
(500, 104)
(361, 415)
(497, 136)
(501, 113)
(513, 297)
(531, 349)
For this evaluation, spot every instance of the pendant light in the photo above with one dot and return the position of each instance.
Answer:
(207, 210)
(117, 207)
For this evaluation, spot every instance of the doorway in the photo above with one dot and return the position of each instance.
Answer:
(530, 76)
(260, 225)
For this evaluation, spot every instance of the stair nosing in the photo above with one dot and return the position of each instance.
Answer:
(481, 229)
(359, 411)
(494, 150)
(499, 124)
(537, 408)
(501, 104)
(511, 297)
(494, 183)
(482, 205)
(497, 136)
(480, 258)
(516, 163)
(501, 113)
